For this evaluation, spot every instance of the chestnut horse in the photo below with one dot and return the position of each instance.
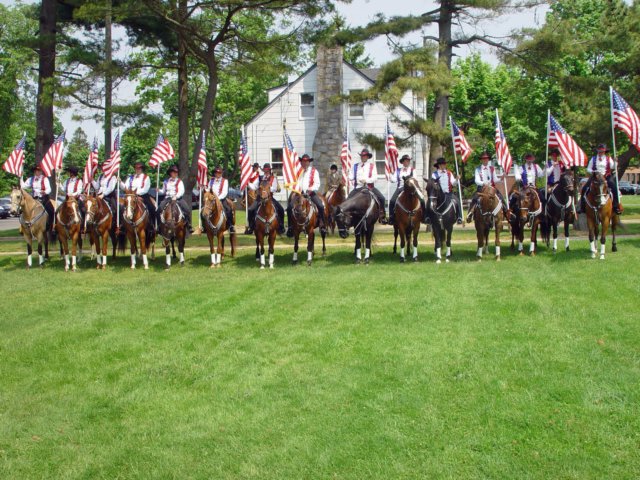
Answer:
(487, 215)
(139, 227)
(600, 214)
(334, 197)
(214, 221)
(172, 228)
(408, 215)
(68, 226)
(361, 212)
(266, 224)
(305, 219)
(99, 225)
(560, 208)
(33, 223)
(527, 210)
(442, 213)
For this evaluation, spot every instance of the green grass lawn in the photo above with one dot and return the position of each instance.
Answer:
(527, 368)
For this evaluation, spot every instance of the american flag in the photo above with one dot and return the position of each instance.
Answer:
(112, 165)
(15, 162)
(390, 153)
(625, 119)
(245, 162)
(203, 170)
(502, 149)
(162, 152)
(291, 165)
(571, 154)
(345, 157)
(92, 164)
(53, 158)
(460, 143)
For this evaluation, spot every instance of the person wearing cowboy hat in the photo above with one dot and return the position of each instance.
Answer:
(105, 188)
(334, 179)
(364, 176)
(173, 189)
(555, 168)
(72, 187)
(254, 177)
(140, 183)
(485, 175)
(405, 170)
(220, 186)
(274, 187)
(605, 165)
(308, 184)
(528, 173)
(40, 190)
(447, 180)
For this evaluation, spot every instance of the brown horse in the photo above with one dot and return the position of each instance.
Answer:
(99, 225)
(334, 197)
(33, 223)
(600, 214)
(305, 219)
(487, 215)
(527, 210)
(68, 227)
(138, 226)
(266, 224)
(408, 215)
(214, 221)
(247, 201)
(172, 228)
(560, 208)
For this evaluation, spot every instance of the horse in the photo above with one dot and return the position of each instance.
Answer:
(247, 201)
(334, 197)
(68, 226)
(488, 215)
(214, 221)
(138, 226)
(441, 210)
(527, 209)
(172, 228)
(99, 225)
(600, 214)
(361, 212)
(408, 214)
(266, 224)
(305, 219)
(559, 208)
(33, 223)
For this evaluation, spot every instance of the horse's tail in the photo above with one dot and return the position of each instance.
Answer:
(122, 240)
(234, 243)
(545, 229)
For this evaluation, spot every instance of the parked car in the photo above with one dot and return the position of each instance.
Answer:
(4, 211)
(626, 188)
(637, 187)
(6, 203)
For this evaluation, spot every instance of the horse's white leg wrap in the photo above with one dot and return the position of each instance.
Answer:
(566, 242)
(181, 257)
(262, 259)
(73, 260)
(295, 256)
(309, 256)
(66, 261)
(448, 251)
(145, 262)
(104, 261)
(40, 259)
(168, 259)
(497, 250)
(438, 253)
(99, 259)
(402, 252)
(479, 254)
(359, 254)
(271, 259)
(532, 247)
(415, 252)
(602, 249)
(593, 246)
(520, 247)
(367, 253)
(219, 258)
(29, 260)
(133, 260)
(555, 243)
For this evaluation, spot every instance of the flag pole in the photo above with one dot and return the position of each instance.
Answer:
(348, 153)
(504, 172)
(118, 185)
(200, 187)
(546, 161)
(246, 188)
(386, 153)
(455, 157)
(613, 137)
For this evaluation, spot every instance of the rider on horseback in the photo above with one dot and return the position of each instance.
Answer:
(308, 183)
(604, 164)
(527, 175)
(555, 168)
(140, 183)
(72, 187)
(363, 176)
(106, 189)
(447, 181)
(406, 170)
(334, 179)
(220, 186)
(274, 187)
(486, 175)
(173, 189)
(40, 190)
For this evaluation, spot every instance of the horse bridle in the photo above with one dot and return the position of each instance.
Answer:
(129, 197)
(207, 216)
(89, 219)
(529, 215)
(305, 214)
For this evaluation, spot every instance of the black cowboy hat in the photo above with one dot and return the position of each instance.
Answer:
(266, 166)
(306, 157)
(440, 161)
(37, 167)
(529, 155)
(217, 169)
(366, 153)
(554, 151)
(333, 167)
(139, 164)
(485, 154)
(72, 169)
(255, 165)
(602, 146)
(173, 168)
(405, 157)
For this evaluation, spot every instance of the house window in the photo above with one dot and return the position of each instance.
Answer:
(356, 110)
(307, 105)
(378, 156)
(276, 161)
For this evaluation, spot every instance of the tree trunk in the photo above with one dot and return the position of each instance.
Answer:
(46, 72)
(108, 81)
(624, 159)
(183, 110)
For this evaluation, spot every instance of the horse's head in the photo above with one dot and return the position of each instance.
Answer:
(600, 189)
(209, 204)
(526, 200)
(130, 199)
(567, 183)
(71, 205)
(169, 217)
(264, 191)
(17, 199)
(91, 204)
(434, 192)
(299, 205)
(343, 221)
(411, 185)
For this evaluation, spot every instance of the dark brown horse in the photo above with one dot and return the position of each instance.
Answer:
(139, 227)
(334, 197)
(172, 229)
(487, 215)
(442, 213)
(527, 210)
(408, 215)
(99, 225)
(600, 214)
(214, 221)
(266, 224)
(361, 212)
(33, 223)
(305, 219)
(560, 208)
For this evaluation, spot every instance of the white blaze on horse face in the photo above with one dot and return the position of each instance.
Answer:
(129, 207)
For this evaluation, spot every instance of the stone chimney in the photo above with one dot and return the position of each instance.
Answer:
(327, 143)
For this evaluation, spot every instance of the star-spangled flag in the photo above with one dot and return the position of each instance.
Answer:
(162, 152)
(15, 162)
(390, 153)
(291, 167)
(460, 143)
(245, 162)
(502, 148)
(53, 158)
(203, 169)
(112, 165)
(571, 154)
(625, 118)
(91, 166)
(345, 158)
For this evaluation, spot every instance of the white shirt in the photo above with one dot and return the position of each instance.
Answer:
(446, 179)
(139, 183)
(532, 171)
(486, 175)
(72, 187)
(274, 186)
(104, 186)
(309, 180)
(553, 172)
(603, 164)
(173, 187)
(363, 174)
(39, 185)
(254, 181)
(219, 186)
(401, 173)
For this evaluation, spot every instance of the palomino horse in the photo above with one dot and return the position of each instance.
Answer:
(600, 214)
(68, 227)
(214, 221)
(527, 210)
(172, 228)
(559, 208)
(442, 213)
(334, 197)
(408, 214)
(99, 225)
(305, 219)
(266, 224)
(361, 212)
(33, 223)
(487, 215)
(138, 226)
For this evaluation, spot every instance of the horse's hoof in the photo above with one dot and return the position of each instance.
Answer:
(270, 267)
(521, 254)
(358, 261)
(402, 260)
(167, 267)
(308, 263)
(146, 267)
(601, 257)
(133, 268)
(182, 264)
(479, 258)
(366, 261)
(212, 266)
(555, 250)
(415, 259)
(614, 248)
(533, 254)
(438, 261)
(593, 254)
(66, 269)
(98, 267)
(104, 267)
(294, 262)
(566, 249)
(261, 267)
(28, 267)
(74, 269)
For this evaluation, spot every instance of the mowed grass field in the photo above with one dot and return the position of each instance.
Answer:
(527, 368)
